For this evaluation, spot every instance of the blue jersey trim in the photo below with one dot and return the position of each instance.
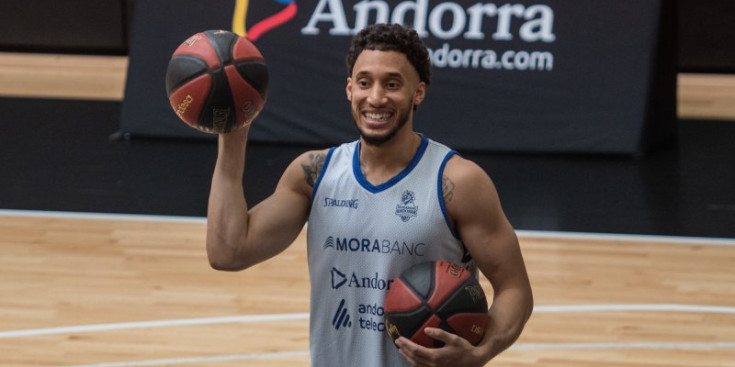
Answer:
(395, 179)
(321, 173)
(440, 193)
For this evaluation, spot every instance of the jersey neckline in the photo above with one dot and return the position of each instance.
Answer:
(393, 180)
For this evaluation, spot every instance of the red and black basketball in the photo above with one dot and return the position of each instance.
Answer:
(217, 81)
(436, 294)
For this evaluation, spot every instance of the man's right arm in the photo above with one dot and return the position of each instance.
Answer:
(238, 238)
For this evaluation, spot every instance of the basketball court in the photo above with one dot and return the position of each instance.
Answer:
(102, 258)
(124, 290)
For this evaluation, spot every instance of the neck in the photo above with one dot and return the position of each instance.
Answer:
(381, 163)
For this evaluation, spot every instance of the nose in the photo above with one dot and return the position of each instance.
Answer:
(377, 95)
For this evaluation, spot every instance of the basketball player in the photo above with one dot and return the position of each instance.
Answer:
(376, 206)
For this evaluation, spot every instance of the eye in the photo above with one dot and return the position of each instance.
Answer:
(393, 84)
(363, 83)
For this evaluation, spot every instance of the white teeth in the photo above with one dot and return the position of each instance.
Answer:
(377, 116)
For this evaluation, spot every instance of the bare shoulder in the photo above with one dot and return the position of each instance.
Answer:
(464, 179)
(311, 164)
(475, 210)
(303, 172)
(468, 192)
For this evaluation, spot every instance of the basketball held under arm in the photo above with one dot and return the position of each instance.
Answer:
(238, 238)
(475, 208)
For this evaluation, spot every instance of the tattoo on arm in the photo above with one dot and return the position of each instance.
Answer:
(313, 167)
(447, 189)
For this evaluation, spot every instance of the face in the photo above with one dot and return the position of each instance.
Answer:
(383, 89)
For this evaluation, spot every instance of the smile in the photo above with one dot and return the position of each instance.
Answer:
(377, 116)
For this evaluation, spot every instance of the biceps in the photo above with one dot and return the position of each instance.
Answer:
(277, 220)
(492, 242)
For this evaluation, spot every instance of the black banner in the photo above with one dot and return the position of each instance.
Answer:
(522, 76)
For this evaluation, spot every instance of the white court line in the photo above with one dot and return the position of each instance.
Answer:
(535, 346)
(100, 216)
(625, 345)
(225, 358)
(305, 316)
(636, 307)
(591, 236)
(153, 324)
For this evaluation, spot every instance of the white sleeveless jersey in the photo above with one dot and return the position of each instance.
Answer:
(361, 237)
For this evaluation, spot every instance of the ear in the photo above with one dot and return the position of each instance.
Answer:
(420, 93)
(349, 89)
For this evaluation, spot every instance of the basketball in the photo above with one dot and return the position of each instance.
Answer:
(217, 81)
(436, 294)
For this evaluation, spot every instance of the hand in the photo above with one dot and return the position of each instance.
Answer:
(456, 351)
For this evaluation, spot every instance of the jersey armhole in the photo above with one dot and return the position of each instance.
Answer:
(440, 193)
(321, 173)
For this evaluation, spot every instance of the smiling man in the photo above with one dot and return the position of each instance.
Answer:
(375, 207)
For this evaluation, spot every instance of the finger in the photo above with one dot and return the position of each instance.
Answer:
(441, 335)
(404, 349)
(401, 342)
(405, 355)
(414, 353)
(411, 360)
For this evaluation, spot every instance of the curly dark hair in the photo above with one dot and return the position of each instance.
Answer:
(392, 37)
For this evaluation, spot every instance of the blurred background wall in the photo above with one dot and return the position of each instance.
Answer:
(50, 163)
(102, 27)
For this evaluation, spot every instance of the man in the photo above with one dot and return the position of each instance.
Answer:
(374, 207)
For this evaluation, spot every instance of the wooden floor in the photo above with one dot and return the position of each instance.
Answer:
(79, 290)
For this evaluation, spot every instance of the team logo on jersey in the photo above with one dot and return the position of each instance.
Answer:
(341, 319)
(407, 209)
(374, 281)
(375, 246)
(341, 203)
(338, 278)
(329, 242)
(367, 316)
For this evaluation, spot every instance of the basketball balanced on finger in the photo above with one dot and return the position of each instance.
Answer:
(217, 81)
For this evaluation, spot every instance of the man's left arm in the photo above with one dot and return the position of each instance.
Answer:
(474, 207)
